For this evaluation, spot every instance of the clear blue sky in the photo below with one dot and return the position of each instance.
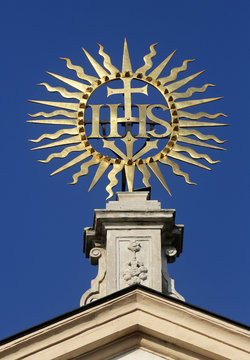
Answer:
(43, 270)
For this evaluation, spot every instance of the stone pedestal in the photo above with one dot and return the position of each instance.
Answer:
(131, 241)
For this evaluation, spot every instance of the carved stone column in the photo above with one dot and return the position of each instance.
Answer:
(132, 241)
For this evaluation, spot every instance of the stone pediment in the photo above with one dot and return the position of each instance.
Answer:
(125, 325)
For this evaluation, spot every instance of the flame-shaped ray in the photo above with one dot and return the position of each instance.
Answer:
(194, 154)
(147, 60)
(112, 178)
(98, 68)
(84, 169)
(199, 135)
(107, 62)
(70, 140)
(178, 84)
(186, 159)
(75, 84)
(146, 174)
(54, 121)
(126, 63)
(176, 169)
(158, 70)
(187, 123)
(79, 71)
(99, 172)
(63, 92)
(55, 113)
(199, 115)
(69, 106)
(56, 135)
(76, 160)
(185, 104)
(130, 174)
(190, 92)
(198, 143)
(63, 153)
(174, 72)
(156, 170)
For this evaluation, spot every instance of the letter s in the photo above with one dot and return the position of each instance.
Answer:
(164, 123)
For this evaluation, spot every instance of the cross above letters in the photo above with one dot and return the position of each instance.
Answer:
(127, 91)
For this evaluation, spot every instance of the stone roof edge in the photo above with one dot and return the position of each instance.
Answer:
(113, 296)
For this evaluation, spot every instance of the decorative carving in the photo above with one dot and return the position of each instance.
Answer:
(171, 253)
(98, 285)
(136, 271)
(94, 255)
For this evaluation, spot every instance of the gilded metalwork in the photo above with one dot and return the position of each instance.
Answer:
(160, 140)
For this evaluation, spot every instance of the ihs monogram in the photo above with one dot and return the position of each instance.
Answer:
(146, 126)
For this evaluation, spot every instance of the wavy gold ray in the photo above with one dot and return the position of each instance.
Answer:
(63, 153)
(186, 159)
(73, 162)
(190, 92)
(99, 172)
(98, 68)
(112, 178)
(146, 174)
(63, 92)
(79, 71)
(158, 70)
(107, 62)
(130, 174)
(194, 154)
(69, 106)
(176, 170)
(156, 170)
(57, 134)
(126, 63)
(54, 121)
(147, 60)
(188, 123)
(84, 169)
(174, 72)
(71, 140)
(178, 84)
(185, 104)
(198, 143)
(199, 115)
(199, 135)
(55, 113)
(75, 84)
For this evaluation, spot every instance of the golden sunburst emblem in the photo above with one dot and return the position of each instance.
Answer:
(145, 128)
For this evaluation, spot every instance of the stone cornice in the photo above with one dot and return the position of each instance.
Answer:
(156, 320)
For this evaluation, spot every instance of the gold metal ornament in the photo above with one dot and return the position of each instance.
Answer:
(175, 131)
